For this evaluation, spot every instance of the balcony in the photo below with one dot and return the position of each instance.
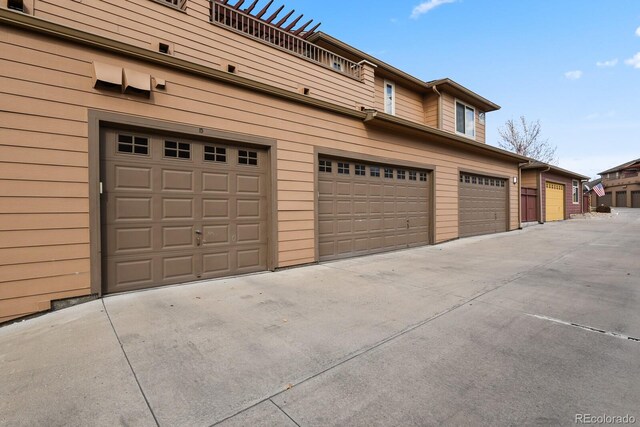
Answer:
(264, 32)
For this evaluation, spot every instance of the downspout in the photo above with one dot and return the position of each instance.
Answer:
(520, 166)
(435, 90)
(540, 221)
(371, 114)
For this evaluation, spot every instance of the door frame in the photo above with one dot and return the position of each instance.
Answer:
(98, 120)
(350, 155)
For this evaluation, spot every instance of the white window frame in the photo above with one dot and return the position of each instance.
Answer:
(475, 121)
(575, 193)
(391, 107)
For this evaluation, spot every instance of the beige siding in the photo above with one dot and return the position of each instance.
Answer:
(529, 178)
(448, 113)
(409, 104)
(431, 113)
(449, 118)
(144, 23)
(44, 219)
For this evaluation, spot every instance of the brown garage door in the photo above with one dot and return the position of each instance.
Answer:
(621, 199)
(606, 200)
(367, 208)
(482, 205)
(175, 210)
(635, 199)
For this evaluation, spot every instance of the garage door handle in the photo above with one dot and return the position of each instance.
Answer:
(198, 237)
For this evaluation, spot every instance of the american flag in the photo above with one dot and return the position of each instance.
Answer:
(599, 189)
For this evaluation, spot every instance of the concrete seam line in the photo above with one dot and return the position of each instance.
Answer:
(129, 363)
(284, 412)
(586, 328)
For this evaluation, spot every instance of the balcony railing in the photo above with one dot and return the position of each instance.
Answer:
(236, 20)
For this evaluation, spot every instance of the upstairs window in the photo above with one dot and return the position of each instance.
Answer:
(465, 120)
(576, 193)
(178, 4)
(389, 97)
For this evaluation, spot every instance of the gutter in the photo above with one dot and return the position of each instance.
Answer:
(376, 117)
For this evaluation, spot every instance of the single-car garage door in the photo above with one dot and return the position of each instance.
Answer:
(554, 201)
(367, 208)
(482, 205)
(635, 199)
(175, 210)
(621, 199)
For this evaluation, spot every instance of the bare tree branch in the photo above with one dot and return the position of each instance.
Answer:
(526, 139)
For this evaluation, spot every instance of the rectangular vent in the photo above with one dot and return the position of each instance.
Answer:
(16, 5)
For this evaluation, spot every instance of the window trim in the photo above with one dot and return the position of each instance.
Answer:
(388, 83)
(180, 5)
(455, 121)
(575, 191)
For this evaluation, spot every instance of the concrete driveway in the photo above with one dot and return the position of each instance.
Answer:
(524, 328)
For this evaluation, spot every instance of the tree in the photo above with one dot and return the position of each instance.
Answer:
(526, 139)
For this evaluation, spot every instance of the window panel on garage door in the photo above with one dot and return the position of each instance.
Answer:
(482, 205)
(176, 210)
(366, 208)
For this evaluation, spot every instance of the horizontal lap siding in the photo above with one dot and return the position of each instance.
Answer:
(431, 110)
(143, 23)
(448, 113)
(409, 104)
(529, 178)
(44, 220)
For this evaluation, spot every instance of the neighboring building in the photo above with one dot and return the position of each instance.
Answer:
(550, 193)
(590, 195)
(621, 185)
(150, 142)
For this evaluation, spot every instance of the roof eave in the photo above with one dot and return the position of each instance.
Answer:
(441, 135)
(478, 100)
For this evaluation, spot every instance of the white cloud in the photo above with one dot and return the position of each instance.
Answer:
(638, 31)
(428, 5)
(573, 75)
(608, 115)
(607, 64)
(635, 61)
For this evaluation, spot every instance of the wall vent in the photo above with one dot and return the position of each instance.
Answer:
(16, 5)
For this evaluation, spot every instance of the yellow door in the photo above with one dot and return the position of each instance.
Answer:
(555, 201)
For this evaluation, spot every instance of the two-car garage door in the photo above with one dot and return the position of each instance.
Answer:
(175, 210)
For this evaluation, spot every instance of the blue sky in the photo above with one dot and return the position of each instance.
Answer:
(567, 63)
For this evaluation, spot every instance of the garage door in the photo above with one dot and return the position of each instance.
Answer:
(621, 199)
(554, 202)
(367, 208)
(175, 210)
(635, 199)
(482, 205)
(606, 200)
